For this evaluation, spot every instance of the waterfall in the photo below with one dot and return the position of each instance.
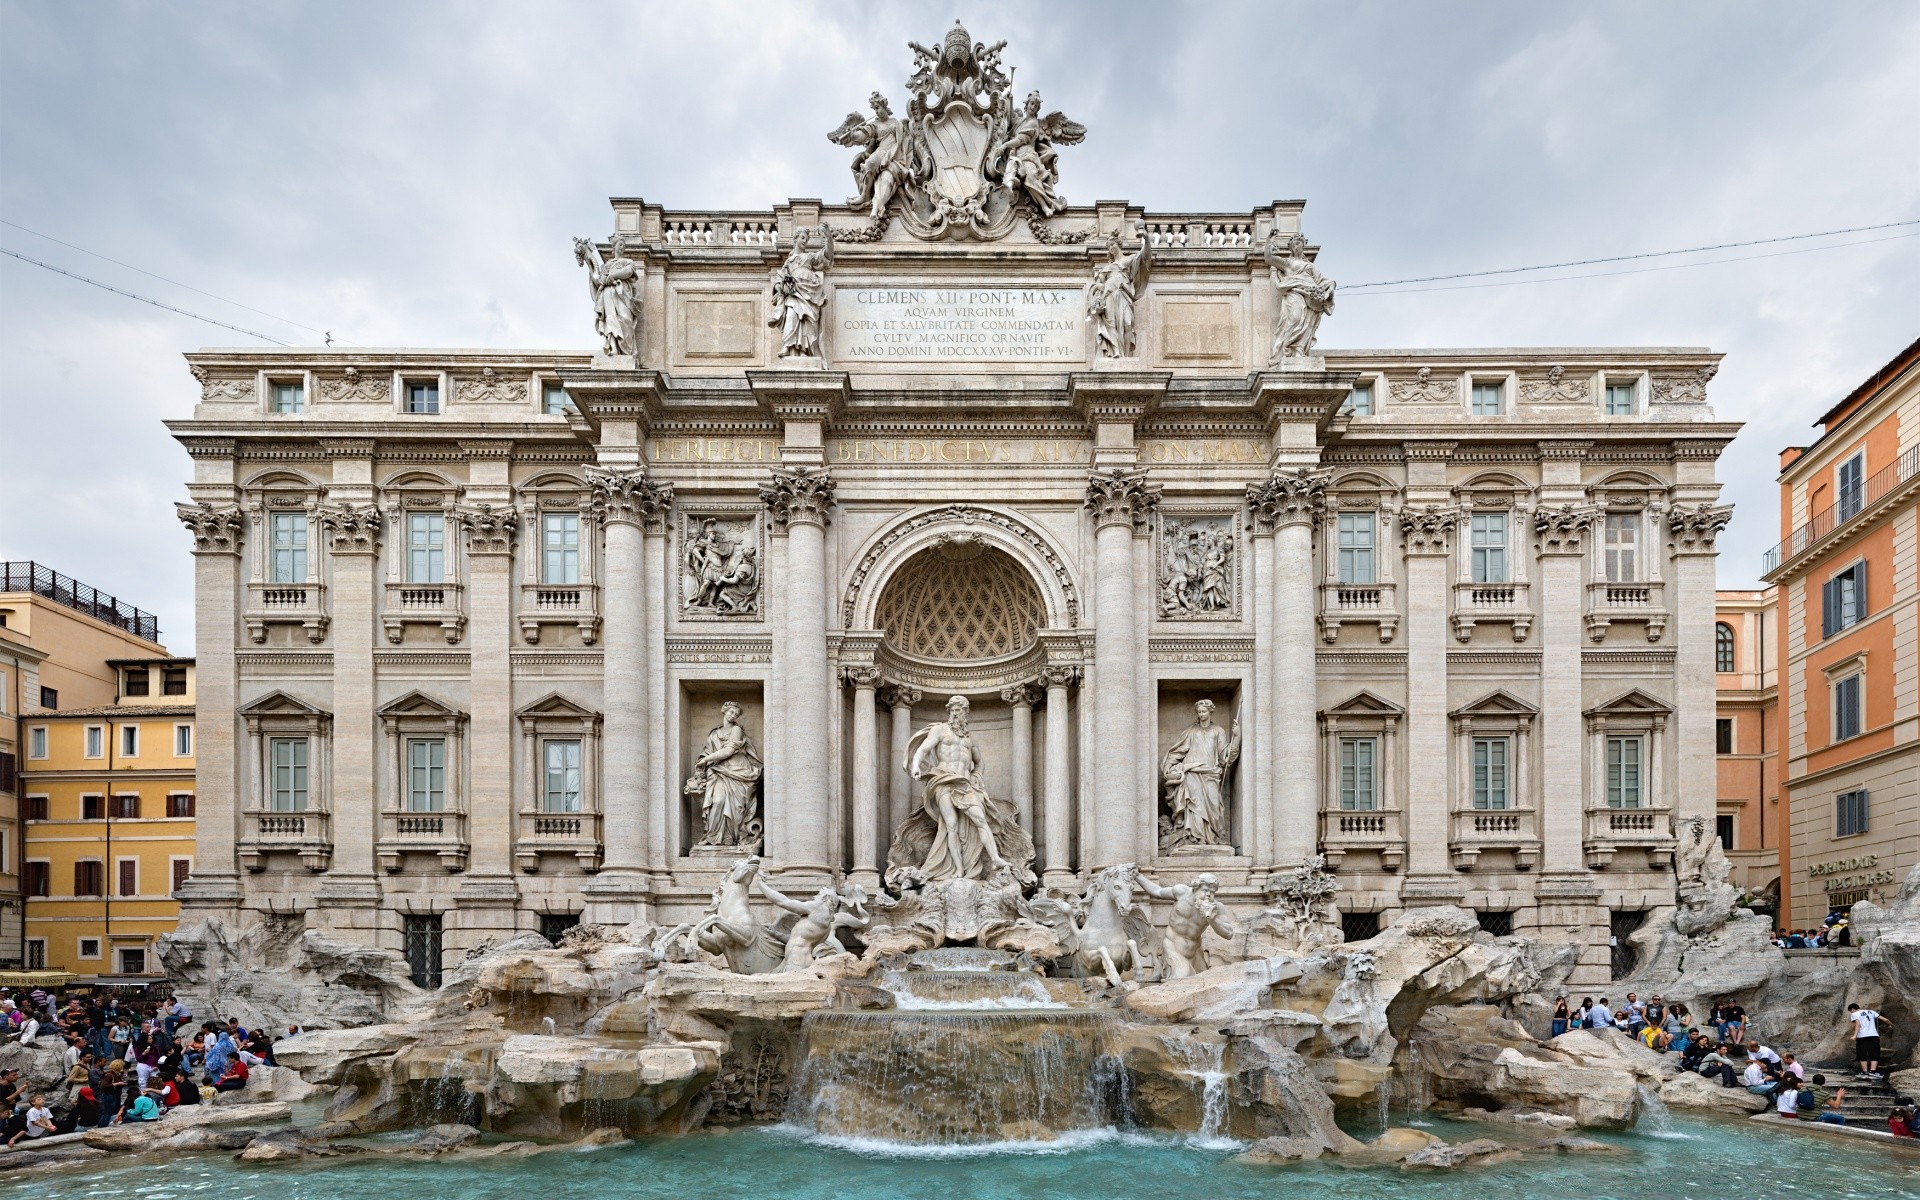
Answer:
(1381, 1095)
(1213, 1101)
(1656, 1120)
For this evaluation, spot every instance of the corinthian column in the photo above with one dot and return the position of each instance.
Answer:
(1428, 532)
(866, 776)
(353, 538)
(797, 501)
(1021, 697)
(1291, 503)
(1058, 797)
(623, 501)
(1121, 501)
(1561, 804)
(1694, 529)
(900, 700)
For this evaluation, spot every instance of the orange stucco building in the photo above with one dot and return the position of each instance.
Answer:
(1747, 736)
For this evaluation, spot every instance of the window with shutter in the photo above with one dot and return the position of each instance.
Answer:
(129, 877)
(1850, 813)
(182, 868)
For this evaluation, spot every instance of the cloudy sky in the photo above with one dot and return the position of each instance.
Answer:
(411, 174)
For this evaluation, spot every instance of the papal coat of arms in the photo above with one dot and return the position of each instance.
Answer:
(964, 161)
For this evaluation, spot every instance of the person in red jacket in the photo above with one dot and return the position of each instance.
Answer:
(235, 1077)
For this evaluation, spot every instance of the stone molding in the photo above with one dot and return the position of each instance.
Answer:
(216, 530)
(1006, 530)
(1122, 497)
(489, 528)
(1563, 530)
(1290, 496)
(352, 529)
(1688, 388)
(897, 695)
(1022, 693)
(798, 496)
(626, 497)
(1059, 675)
(1428, 528)
(861, 677)
(1695, 528)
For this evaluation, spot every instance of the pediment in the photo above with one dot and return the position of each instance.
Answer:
(417, 703)
(1364, 703)
(553, 704)
(1497, 703)
(281, 704)
(1631, 703)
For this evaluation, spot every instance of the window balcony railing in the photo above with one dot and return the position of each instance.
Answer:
(1487, 603)
(302, 604)
(305, 833)
(442, 833)
(543, 833)
(1608, 602)
(576, 604)
(1343, 830)
(442, 604)
(1478, 830)
(1358, 603)
(1835, 516)
(1611, 830)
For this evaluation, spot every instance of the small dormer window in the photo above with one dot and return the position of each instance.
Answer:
(173, 681)
(1487, 398)
(1620, 401)
(422, 396)
(287, 396)
(1360, 400)
(554, 401)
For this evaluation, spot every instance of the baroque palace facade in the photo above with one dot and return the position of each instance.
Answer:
(492, 641)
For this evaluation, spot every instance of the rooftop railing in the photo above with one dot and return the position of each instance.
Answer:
(1851, 503)
(71, 593)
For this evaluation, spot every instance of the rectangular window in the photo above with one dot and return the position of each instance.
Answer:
(89, 879)
(1619, 400)
(1850, 813)
(289, 775)
(1360, 400)
(420, 938)
(1356, 547)
(183, 741)
(129, 871)
(1486, 398)
(287, 396)
(126, 807)
(422, 396)
(93, 808)
(89, 947)
(1358, 927)
(426, 547)
(1357, 775)
(173, 681)
(130, 741)
(1723, 829)
(37, 742)
(554, 400)
(554, 926)
(136, 681)
(1723, 735)
(1490, 773)
(562, 793)
(180, 806)
(133, 960)
(287, 548)
(37, 953)
(426, 774)
(1499, 924)
(1849, 493)
(9, 773)
(1846, 708)
(38, 881)
(182, 871)
(96, 739)
(1843, 600)
(36, 809)
(560, 548)
(1623, 547)
(1623, 772)
(1489, 547)
(49, 698)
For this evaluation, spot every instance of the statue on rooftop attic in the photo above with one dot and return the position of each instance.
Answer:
(1305, 296)
(800, 292)
(1032, 164)
(1115, 291)
(615, 286)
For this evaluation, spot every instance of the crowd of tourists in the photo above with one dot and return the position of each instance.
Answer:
(1836, 930)
(126, 1060)
(1725, 1051)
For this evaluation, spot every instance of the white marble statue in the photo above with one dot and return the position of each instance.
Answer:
(1196, 909)
(959, 831)
(1301, 916)
(615, 285)
(1196, 571)
(720, 571)
(725, 775)
(800, 292)
(816, 932)
(1031, 167)
(1116, 289)
(889, 164)
(1102, 931)
(1194, 773)
(1305, 296)
(728, 928)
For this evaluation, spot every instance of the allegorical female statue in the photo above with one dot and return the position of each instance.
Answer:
(1194, 771)
(800, 292)
(615, 284)
(1305, 296)
(1114, 294)
(724, 776)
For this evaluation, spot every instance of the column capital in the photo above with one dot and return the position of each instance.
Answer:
(1290, 496)
(900, 695)
(216, 529)
(1059, 675)
(1121, 497)
(1695, 527)
(798, 496)
(864, 679)
(352, 529)
(1428, 528)
(1563, 528)
(489, 528)
(1020, 695)
(626, 496)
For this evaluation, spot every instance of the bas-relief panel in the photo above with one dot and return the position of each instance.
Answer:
(722, 563)
(1197, 566)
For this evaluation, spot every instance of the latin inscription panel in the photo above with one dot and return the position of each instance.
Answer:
(959, 324)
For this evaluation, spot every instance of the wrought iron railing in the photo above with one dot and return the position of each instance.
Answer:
(1850, 504)
(70, 593)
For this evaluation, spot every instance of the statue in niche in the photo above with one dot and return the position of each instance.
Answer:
(958, 831)
(1196, 574)
(725, 776)
(615, 285)
(1032, 165)
(800, 292)
(1112, 298)
(1305, 296)
(1194, 773)
(720, 571)
(1196, 909)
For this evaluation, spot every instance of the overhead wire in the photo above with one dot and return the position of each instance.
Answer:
(142, 299)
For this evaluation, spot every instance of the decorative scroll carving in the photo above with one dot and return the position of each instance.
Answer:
(720, 566)
(726, 776)
(1059, 675)
(614, 284)
(1426, 388)
(963, 516)
(1116, 287)
(1121, 497)
(352, 386)
(1562, 530)
(216, 530)
(627, 497)
(1290, 496)
(798, 495)
(800, 292)
(900, 695)
(490, 529)
(1427, 527)
(961, 601)
(1556, 388)
(491, 387)
(1689, 388)
(1695, 528)
(1197, 567)
(224, 389)
(351, 529)
(1305, 296)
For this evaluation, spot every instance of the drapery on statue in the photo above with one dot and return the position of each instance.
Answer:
(1115, 291)
(1032, 166)
(800, 292)
(958, 831)
(725, 775)
(891, 160)
(615, 286)
(1305, 296)
(1194, 773)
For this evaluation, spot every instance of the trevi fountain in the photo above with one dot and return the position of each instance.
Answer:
(1233, 822)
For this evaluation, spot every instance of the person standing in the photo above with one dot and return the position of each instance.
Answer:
(1866, 1039)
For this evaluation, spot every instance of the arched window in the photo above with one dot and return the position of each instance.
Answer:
(1722, 647)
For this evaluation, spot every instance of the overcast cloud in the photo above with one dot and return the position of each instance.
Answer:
(411, 174)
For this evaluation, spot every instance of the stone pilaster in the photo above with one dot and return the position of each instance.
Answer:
(1561, 533)
(1121, 501)
(798, 500)
(1428, 532)
(1292, 503)
(353, 540)
(623, 501)
(218, 532)
(490, 532)
(866, 776)
(1693, 530)
(1058, 797)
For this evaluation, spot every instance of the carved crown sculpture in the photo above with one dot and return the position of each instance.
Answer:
(966, 160)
